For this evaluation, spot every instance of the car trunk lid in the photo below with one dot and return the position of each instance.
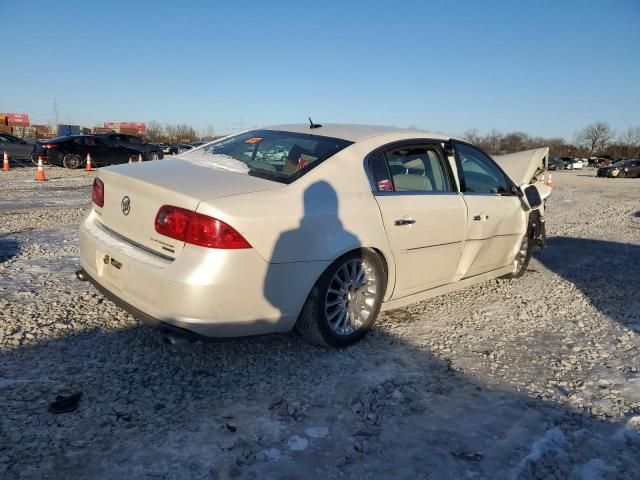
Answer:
(133, 194)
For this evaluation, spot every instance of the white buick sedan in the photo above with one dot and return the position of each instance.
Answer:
(316, 228)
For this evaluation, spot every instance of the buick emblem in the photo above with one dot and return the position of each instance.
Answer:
(125, 205)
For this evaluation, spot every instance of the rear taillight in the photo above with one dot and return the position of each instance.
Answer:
(97, 195)
(47, 146)
(197, 229)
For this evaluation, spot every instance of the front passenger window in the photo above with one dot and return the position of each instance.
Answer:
(480, 174)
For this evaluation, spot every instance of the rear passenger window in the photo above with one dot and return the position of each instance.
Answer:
(410, 169)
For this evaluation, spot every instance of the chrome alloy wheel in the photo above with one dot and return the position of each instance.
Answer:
(521, 256)
(351, 296)
(154, 156)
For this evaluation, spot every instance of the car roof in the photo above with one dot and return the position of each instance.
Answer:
(352, 132)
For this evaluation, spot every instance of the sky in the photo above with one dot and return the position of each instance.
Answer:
(543, 67)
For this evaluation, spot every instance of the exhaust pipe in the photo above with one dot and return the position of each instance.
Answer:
(82, 276)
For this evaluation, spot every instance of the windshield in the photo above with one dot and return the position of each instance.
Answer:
(270, 154)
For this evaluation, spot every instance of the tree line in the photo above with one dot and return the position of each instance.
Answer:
(596, 139)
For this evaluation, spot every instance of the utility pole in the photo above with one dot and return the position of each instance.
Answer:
(56, 116)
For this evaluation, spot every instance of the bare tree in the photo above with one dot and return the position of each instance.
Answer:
(154, 131)
(492, 142)
(630, 139)
(472, 136)
(595, 137)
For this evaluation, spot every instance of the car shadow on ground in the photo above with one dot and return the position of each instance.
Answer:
(234, 409)
(598, 268)
(9, 247)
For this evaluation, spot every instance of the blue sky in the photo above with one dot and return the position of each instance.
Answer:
(544, 67)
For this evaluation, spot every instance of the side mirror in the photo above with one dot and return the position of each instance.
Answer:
(532, 195)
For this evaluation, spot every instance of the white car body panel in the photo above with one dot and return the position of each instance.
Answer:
(295, 230)
(523, 166)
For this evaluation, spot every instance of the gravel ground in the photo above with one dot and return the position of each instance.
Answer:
(533, 378)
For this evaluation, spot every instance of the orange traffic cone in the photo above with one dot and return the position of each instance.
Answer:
(88, 166)
(5, 163)
(40, 176)
(139, 157)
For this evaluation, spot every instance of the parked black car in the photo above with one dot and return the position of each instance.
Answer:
(176, 148)
(556, 163)
(149, 151)
(16, 148)
(621, 169)
(71, 152)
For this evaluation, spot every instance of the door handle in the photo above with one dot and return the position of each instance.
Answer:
(405, 221)
(477, 218)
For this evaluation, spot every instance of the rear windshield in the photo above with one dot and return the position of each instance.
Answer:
(270, 154)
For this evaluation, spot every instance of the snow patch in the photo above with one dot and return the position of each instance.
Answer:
(297, 443)
(317, 432)
(595, 469)
(551, 440)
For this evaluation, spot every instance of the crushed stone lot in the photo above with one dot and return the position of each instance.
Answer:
(532, 378)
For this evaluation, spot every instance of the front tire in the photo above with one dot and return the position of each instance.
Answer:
(345, 301)
(154, 156)
(622, 174)
(523, 257)
(71, 161)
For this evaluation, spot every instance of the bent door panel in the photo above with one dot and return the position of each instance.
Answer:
(495, 225)
(496, 219)
(427, 252)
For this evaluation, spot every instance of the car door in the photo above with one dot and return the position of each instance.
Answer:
(496, 220)
(15, 147)
(423, 214)
(108, 153)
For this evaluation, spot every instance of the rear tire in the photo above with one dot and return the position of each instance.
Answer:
(345, 301)
(622, 174)
(154, 156)
(71, 161)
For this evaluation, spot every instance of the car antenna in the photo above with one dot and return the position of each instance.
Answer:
(313, 125)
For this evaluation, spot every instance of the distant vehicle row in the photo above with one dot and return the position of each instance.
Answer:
(622, 169)
(570, 163)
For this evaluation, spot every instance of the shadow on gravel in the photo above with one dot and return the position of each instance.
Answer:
(602, 270)
(382, 409)
(9, 248)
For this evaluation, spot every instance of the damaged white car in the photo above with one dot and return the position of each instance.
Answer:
(230, 239)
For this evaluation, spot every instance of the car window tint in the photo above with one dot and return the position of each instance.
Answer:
(481, 175)
(417, 169)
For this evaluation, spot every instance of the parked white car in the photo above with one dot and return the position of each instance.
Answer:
(226, 240)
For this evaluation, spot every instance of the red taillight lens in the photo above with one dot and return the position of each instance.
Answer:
(197, 229)
(50, 145)
(97, 195)
(173, 222)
